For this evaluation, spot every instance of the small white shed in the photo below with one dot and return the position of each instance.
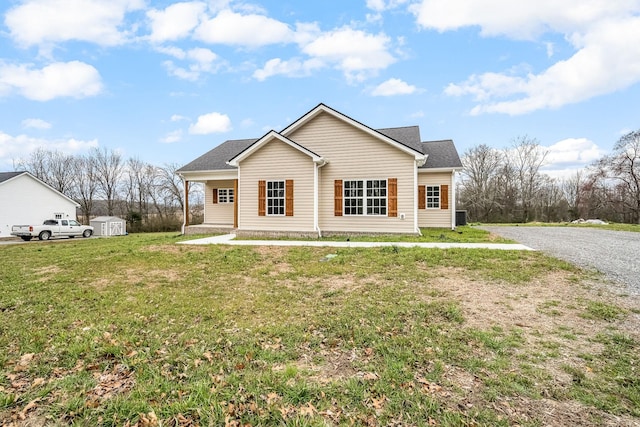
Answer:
(108, 226)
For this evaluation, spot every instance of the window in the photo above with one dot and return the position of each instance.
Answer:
(353, 197)
(433, 196)
(58, 216)
(275, 198)
(366, 197)
(225, 195)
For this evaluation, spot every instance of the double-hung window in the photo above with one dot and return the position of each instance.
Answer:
(433, 196)
(225, 195)
(275, 197)
(365, 197)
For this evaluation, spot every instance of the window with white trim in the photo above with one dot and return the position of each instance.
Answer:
(225, 195)
(433, 196)
(365, 197)
(275, 197)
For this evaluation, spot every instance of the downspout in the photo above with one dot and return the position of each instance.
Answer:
(185, 205)
(420, 161)
(316, 190)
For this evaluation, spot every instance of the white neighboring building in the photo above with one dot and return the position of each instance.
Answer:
(24, 199)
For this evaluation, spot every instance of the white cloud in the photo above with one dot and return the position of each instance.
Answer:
(202, 61)
(250, 30)
(21, 146)
(176, 21)
(600, 32)
(574, 152)
(36, 124)
(211, 123)
(382, 5)
(171, 137)
(36, 22)
(60, 79)
(356, 53)
(178, 118)
(566, 157)
(292, 68)
(393, 87)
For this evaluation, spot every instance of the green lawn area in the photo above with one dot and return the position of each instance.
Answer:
(462, 234)
(139, 330)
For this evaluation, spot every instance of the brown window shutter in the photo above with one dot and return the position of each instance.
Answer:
(214, 200)
(289, 197)
(262, 198)
(444, 197)
(422, 196)
(393, 196)
(337, 197)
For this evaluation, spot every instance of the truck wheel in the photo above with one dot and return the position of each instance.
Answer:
(87, 233)
(45, 235)
(25, 238)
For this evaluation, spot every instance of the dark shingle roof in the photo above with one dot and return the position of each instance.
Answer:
(407, 135)
(441, 154)
(217, 158)
(4, 176)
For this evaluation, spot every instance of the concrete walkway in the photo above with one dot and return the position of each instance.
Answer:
(228, 239)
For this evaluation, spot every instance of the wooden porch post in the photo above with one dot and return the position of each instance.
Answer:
(186, 203)
(235, 203)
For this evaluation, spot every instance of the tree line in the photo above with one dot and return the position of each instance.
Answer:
(508, 186)
(149, 197)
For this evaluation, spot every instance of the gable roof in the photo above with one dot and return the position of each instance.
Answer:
(441, 155)
(5, 176)
(322, 108)
(273, 135)
(217, 158)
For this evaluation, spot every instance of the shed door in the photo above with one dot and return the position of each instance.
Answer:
(115, 228)
(103, 229)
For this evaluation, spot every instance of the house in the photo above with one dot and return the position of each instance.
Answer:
(24, 199)
(327, 173)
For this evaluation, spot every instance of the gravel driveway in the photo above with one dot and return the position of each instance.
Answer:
(614, 253)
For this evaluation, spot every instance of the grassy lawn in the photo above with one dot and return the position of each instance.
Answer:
(140, 331)
(462, 234)
(610, 226)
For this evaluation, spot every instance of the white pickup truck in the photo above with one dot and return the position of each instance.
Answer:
(52, 228)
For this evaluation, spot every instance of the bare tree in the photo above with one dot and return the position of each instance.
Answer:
(526, 157)
(109, 168)
(573, 192)
(479, 181)
(622, 170)
(84, 184)
(171, 185)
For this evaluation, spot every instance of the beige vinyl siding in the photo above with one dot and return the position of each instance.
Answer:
(435, 217)
(219, 213)
(354, 154)
(277, 161)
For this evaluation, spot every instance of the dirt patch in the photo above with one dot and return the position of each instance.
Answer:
(175, 249)
(110, 383)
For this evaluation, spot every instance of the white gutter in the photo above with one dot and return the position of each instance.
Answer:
(184, 205)
(416, 227)
(317, 165)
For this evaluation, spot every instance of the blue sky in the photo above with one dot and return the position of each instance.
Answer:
(166, 81)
